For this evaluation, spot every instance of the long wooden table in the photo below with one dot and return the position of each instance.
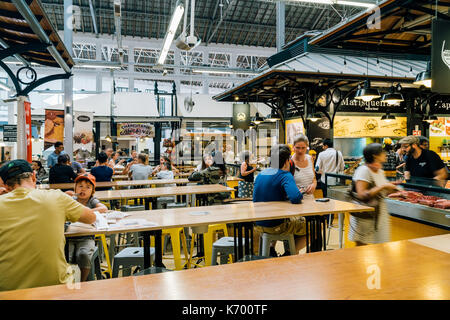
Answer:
(154, 193)
(406, 270)
(125, 177)
(127, 183)
(123, 183)
(241, 215)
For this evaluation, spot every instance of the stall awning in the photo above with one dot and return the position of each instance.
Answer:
(16, 29)
(396, 26)
(319, 69)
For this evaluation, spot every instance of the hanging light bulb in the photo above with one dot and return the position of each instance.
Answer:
(258, 119)
(314, 117)
(108, 138)
(366, 93)
(424, 77)
(388, 117)
(430, 119)
(392, 98)
(273, 117)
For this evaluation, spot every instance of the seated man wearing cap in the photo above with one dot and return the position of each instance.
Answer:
(81, 249)
(422, 163)
(32, 230)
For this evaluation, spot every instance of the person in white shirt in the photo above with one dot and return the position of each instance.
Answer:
(229, 154)
(329, 161)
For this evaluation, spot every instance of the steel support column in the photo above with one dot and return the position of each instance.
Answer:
(68, 83)
(281, 19)
(157, 141)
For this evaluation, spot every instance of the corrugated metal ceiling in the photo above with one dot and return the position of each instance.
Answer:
(239, 22)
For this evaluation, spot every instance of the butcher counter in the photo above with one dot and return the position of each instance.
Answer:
(408, 220)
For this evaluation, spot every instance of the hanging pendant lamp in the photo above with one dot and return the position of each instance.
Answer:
(258, 119)
(430, 118)
(393, 97)
(388, 117)
(424, 77)
(366, 93)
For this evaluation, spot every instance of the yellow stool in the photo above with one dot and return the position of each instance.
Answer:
(102, 238)
(175, 234)
(107, 204)
(208, 240)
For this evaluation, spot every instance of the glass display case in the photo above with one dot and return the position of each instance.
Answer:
(421, 200)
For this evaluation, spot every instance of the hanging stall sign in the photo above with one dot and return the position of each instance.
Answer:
(440, 56)
(82, 130)
(440, 105)
(241, 116)
(294, 127)
(29, 136)
(54, 127)
(294, 110)
(137, 130)
(10, 133)
(376, 106)
(362, 127)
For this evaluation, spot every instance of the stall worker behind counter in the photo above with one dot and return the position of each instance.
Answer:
(422, 163)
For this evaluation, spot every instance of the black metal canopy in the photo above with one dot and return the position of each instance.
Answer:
(16, 30)
(273, 84)
(396, 26)
(28, 38)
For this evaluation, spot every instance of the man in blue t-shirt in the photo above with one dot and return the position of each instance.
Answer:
(102, 172)
(277, 184)
(52, 158)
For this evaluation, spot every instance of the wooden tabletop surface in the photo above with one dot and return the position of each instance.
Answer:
(406, 270)
(230, 213)
(161, 192)
(120, 177)
(123, 183)
(124, 176)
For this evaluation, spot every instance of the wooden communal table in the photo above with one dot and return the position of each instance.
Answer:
(242, 215)
(407, 270)
(125, 177)
(122, 183)
(150, 195)
(120, 177)
(153, 193)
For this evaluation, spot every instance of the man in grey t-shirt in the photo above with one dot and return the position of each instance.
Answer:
(139, 171)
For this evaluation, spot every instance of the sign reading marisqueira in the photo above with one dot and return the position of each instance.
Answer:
(353, 105)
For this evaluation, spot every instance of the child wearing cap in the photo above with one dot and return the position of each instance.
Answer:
(81, 249)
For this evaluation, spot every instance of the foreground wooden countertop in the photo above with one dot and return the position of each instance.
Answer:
(230, 213)
(406, 269)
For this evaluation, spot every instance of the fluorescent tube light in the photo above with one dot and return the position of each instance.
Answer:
(173, 26)
(4, 86)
